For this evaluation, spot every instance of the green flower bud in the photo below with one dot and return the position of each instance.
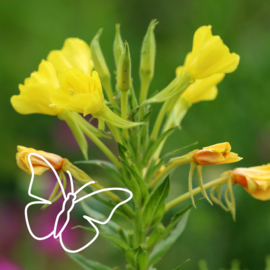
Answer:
(148, 52)
(118, 45)
(124, 70)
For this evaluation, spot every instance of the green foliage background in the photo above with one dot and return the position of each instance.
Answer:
(29, 29)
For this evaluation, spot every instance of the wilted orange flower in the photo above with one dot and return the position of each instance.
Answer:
(255, 180)
(39, 165)
(216, 154)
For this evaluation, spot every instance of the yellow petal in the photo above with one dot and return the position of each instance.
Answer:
(34, 99)
(219, 147)
(95, 103)
(74, 54)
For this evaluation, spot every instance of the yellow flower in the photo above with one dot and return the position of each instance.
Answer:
(39, 165)
(35, 93)
(200, 90)
(216, 154)
(209, 55)
(79, 92)
(255, 180)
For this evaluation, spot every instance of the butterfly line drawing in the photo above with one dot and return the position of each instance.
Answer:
(71, 196)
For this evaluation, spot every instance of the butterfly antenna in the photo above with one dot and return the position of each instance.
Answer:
(82, 187)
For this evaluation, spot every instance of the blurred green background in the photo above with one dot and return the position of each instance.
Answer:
(240, 114)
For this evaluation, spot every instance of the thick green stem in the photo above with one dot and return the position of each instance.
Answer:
(101, 146)
(219, 181)
(124, 96)
(176, 162)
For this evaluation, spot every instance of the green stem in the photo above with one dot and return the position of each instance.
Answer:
(145, 83)
(108, 88)
(176, 162)
(101, 146)
(115, 132)
(219, 181)
(159, 120)
(124, 96)
(139, 237)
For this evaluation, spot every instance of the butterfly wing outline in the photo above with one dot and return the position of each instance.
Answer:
(91, 220)
(40, 200)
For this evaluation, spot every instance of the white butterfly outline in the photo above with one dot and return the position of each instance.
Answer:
(74, 201)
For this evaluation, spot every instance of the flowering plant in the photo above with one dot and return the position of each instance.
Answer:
(71, 82)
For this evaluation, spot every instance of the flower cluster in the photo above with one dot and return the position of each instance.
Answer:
(71, 82)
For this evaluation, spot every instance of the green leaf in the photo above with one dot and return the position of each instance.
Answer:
(87, 264)
(152, 170)
(109, 203)
(112, 238)
(96, 215)
(161, 248)
(137, 257)
(141, 183)
(180, 266)
(154, 208)
(121, 151)
(109, 167)
(155, 236)
(152, 147)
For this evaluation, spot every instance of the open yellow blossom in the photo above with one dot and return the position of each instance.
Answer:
(79, 92)
(201, 90)
(209, 55)
(255, 180)
(35, 94)
(39, 165)
(216, 154)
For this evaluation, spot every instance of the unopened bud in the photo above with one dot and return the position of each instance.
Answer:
(124, 70)
(118, 45)
(148, 52)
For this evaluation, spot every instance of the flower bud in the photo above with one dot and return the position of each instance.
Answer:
(124, 70)
(118, 45)
(255, 180)
(38, 164)
(216, 154)
(148, 52)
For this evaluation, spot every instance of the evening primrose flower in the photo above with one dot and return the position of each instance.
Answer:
(35, 93)
(216, 154)
(39, 165)
(78, 92)
(212, 155)
(255, 180)
(209, 55)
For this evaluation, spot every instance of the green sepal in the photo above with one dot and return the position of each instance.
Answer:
(112, 238)
(176, 87)
(154, 209)
(109, 167)
(162, 247)
(110, 117)
(153, 146)
(87, 264)
(70, 119)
